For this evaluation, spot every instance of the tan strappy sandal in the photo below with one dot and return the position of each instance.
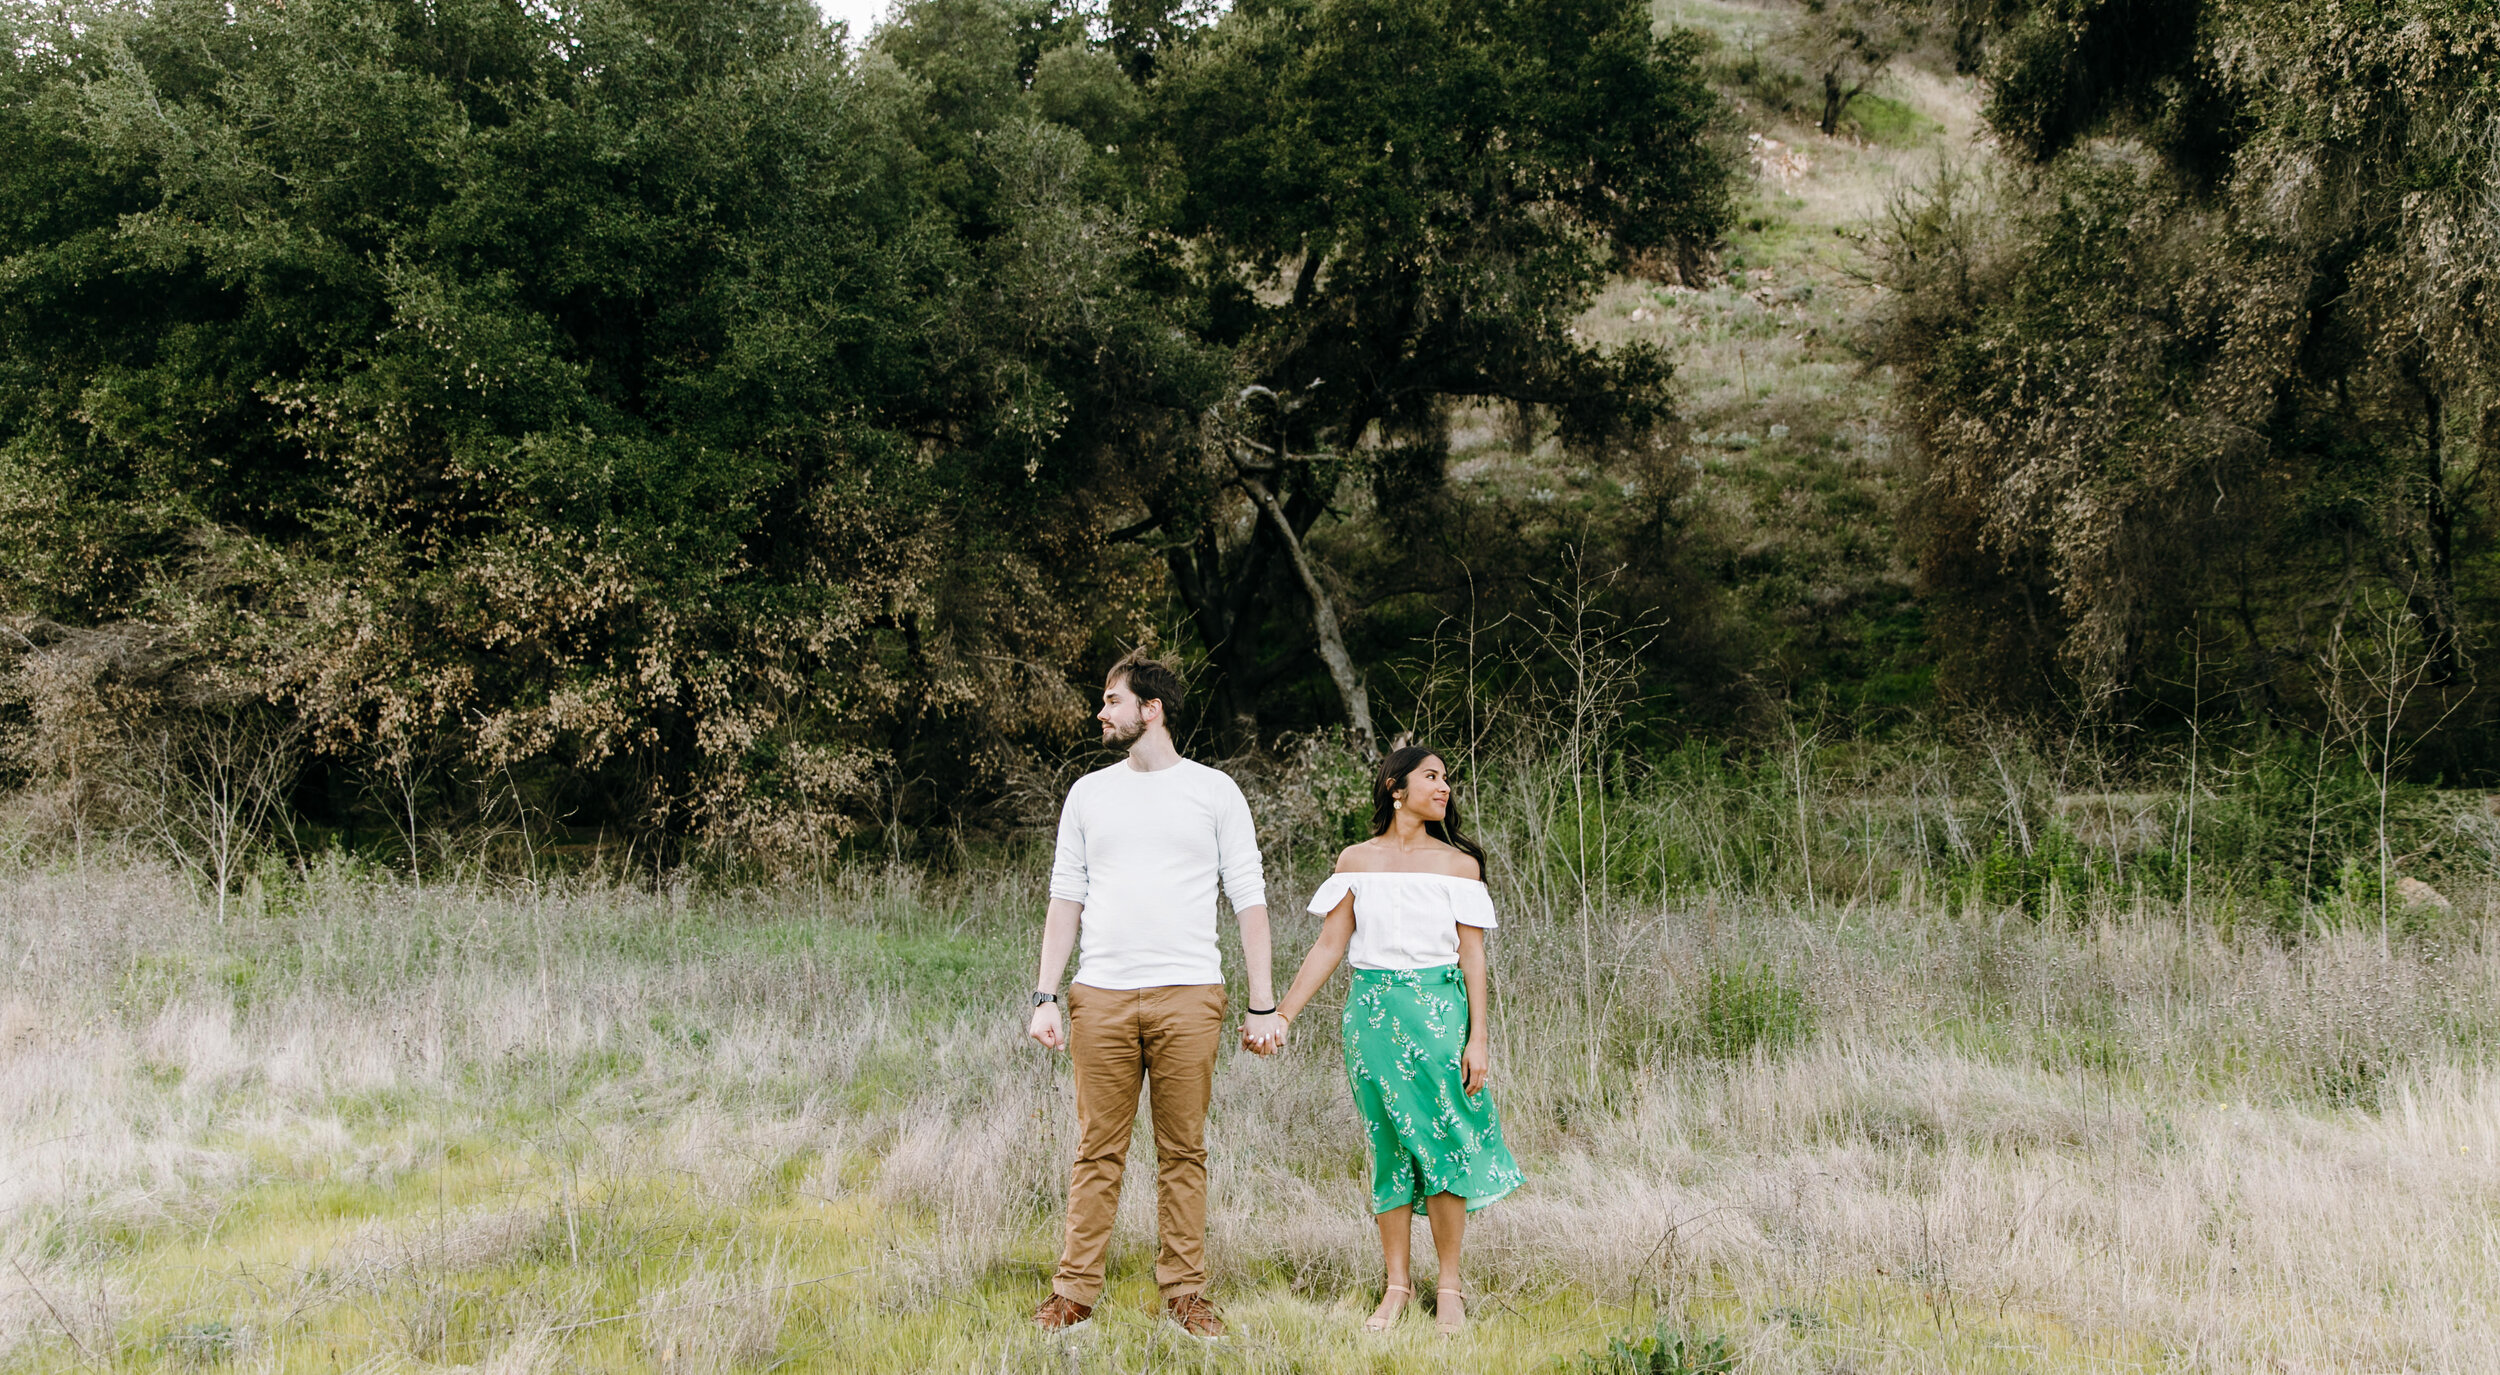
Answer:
(1377, 1323)
(1445, 1322)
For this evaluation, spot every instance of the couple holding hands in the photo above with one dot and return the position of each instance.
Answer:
(1143, 846)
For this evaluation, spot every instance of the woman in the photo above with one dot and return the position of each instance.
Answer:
(1410, 908)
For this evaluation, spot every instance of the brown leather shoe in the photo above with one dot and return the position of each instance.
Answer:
(1062, 1314)
(1196, 1316)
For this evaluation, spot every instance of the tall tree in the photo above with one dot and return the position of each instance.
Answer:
(1400, 205)
(1846, 44)
(2222, 352)
(604, 399)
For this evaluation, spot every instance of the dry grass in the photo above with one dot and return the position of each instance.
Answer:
(364, 1126)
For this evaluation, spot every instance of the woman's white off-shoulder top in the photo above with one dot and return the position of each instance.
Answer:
(1405, 920)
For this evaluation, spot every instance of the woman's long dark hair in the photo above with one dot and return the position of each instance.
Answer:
(1391, 776)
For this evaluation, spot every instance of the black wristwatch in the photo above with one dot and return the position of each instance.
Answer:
(1039, 997)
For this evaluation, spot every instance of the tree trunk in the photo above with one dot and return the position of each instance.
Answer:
(1332, 650)
(2435, 606)
(2441, 519)
(2261, 668)
(1225, 625)
(1970, 37)
(1833, 100)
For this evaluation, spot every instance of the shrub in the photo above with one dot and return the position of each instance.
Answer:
(2008, 874)
(1748, 1005)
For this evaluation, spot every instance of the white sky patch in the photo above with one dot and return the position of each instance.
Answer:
(861, 15)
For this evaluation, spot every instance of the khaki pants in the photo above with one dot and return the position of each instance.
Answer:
(1116, 1037)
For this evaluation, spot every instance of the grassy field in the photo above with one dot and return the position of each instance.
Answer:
(1854, 1060)
(580, 1124)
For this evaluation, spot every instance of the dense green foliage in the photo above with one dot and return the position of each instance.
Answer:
(674, 421)
(656, 414)
(2205, 380)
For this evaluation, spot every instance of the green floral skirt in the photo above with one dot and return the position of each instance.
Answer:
(1404, 1032)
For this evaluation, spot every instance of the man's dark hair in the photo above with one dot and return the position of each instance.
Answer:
(1151, 680)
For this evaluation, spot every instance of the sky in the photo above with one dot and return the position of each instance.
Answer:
(861, 15)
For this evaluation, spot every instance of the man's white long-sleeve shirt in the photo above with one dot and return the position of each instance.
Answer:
(1144, 852)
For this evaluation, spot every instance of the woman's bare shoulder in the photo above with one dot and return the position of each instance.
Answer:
(1363, 857)
(1452, 862)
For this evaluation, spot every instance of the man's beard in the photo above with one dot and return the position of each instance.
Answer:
(1121, 737)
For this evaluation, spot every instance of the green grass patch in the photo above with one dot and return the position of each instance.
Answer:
(1661, 1351)
(1893, 123)
(495, 1251)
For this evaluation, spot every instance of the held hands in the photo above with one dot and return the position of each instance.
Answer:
(1263, 1034)
(1259, 1035)
(1475, 1067)
(1046, 1027)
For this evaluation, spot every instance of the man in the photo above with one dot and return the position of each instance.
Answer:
(1143, 845)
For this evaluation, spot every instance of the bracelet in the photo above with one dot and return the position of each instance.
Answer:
(1262, 1012)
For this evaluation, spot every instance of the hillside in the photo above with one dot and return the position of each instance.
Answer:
(1795, 478)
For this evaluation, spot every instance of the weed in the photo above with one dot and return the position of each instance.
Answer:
(206, 1343)
(2055, 871)
(1748, 1006)
(1663, 1351)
